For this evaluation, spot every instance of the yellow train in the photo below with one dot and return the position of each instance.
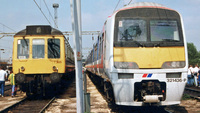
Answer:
(41, 56)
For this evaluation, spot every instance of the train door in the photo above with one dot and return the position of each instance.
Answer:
(104, 49)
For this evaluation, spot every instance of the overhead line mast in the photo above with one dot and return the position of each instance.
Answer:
(77, 36)
(55, 6)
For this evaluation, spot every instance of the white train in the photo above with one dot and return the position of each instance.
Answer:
(140, 57)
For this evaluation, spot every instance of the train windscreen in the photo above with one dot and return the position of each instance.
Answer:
(23, 49)
(38, 48)
(148, 27)
(164, 30)
(132, 30)
(53, 48)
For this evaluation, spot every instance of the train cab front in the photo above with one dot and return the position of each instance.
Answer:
(149, 57)
(38, 58)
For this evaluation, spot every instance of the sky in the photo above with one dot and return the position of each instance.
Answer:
(17, 14)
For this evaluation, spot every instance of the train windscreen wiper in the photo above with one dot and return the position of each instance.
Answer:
(170, 40)
(139, 44)
(25, 41)
(53, 50)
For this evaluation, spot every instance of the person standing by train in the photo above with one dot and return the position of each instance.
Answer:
(195, 71)
(2, 80)
(12, 82)
(190, 76)
(198, 74)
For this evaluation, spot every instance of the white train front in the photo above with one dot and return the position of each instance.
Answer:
(140, 57)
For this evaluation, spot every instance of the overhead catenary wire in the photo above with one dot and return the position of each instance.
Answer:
(7, 27)
(42, 12)
(116, 6)
(130, 2)
(50, 13)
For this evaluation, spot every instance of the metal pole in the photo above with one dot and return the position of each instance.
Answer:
(85, 81)
(55, 6)
(76, 29)
(86, 95)
(1, 53)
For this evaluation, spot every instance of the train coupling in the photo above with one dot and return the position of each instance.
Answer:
(152, 98)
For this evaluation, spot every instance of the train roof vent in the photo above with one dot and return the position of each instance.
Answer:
(38, 30)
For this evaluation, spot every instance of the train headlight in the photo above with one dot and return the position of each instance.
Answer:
(126, 65)
(174, 64)
(22, 68)
(55, 68)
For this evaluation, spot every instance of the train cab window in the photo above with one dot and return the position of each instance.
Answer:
(131, 30)
(23, 49)
(38, 48)
(164, 30)
(53, 48)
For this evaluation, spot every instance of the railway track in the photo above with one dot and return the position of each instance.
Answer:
(29, 106)
(193, 92)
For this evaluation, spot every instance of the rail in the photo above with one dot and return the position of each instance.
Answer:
(193, 92)
(29, 106)
(45, 107)
(6, 110)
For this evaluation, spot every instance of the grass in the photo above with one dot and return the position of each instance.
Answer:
(186, 97)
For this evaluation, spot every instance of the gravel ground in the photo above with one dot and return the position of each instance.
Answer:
(66, 103)
(186, 106)
(7, 100)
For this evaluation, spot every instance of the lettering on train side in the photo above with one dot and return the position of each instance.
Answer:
(176, 80)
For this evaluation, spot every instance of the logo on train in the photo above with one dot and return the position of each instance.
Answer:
(147, 75)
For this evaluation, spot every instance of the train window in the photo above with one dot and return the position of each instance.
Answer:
(23, 49)
(53, 48)
(38, 48)
(164, 30)
(100, 49)
(131, 30)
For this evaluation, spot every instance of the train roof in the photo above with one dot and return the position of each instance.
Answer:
(144, 5)
(39, 30)
(139, 4)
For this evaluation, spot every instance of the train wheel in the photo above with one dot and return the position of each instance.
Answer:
(109, 93)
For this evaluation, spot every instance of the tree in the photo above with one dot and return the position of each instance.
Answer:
(193, 54)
